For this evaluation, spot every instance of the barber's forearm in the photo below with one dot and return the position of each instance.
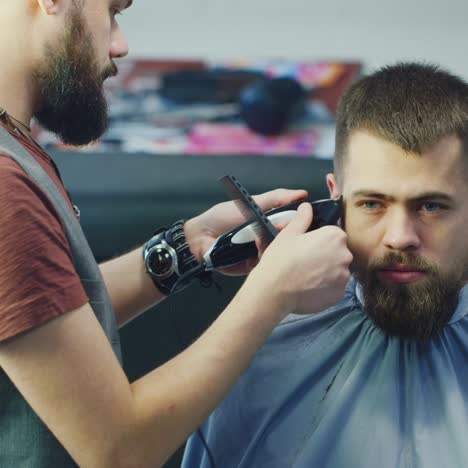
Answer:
(130, 288)
(197, 379)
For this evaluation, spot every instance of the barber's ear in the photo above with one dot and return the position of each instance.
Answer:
(333, 186)
(50, 7)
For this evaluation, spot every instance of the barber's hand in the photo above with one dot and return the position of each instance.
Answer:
(305, 271)
(204, 229)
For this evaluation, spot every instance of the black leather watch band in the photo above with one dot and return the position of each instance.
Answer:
(167, 257)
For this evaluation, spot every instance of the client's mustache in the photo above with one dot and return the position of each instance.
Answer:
(410, 260)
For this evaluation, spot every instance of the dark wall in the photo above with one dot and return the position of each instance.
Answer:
(124, 198)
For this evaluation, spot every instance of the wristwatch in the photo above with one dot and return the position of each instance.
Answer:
(167, 257)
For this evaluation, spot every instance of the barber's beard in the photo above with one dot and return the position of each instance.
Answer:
(417, 310)
(71, 96)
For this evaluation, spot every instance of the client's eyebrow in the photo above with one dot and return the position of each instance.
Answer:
(371, 194)
(433, 195)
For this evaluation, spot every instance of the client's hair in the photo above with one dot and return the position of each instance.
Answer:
(412, 105)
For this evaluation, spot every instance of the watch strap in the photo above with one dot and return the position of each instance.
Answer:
(174, 237)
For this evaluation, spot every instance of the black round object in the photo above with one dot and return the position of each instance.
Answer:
(161, 261)
(269, 106)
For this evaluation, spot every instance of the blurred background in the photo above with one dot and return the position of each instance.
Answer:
(215, 87)
(371, 31)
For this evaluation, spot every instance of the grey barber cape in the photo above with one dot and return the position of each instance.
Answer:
(332, 391)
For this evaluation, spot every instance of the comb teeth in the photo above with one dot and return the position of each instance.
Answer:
(252, 213)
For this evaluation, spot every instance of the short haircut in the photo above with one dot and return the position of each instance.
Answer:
(412, 105)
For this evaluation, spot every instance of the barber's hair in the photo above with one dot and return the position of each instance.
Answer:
(412, 105)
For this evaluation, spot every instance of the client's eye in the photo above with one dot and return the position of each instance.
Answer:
(432, 207)
(370, 204)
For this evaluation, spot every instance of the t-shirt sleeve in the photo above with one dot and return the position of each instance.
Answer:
(38, 281)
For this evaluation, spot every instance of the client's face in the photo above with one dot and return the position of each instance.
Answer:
(406, 217)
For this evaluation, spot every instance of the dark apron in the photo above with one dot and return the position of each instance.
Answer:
(25, 442)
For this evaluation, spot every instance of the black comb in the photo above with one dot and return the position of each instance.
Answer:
(252, 213)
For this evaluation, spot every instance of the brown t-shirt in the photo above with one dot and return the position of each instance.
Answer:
(38, 281)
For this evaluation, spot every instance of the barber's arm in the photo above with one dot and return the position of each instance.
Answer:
(103, 421)
(131, 289)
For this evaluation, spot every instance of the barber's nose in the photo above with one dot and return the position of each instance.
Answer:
(118, 45)
(401, 231)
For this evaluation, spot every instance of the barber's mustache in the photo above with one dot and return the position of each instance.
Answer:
(110, 71)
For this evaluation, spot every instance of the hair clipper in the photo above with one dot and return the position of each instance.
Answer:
(238, 244)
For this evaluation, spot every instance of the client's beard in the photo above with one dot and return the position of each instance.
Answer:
(416, 310)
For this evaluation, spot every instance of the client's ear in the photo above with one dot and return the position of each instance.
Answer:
(50, 7)
(333, 186)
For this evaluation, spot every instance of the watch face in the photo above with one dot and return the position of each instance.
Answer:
(160, 261)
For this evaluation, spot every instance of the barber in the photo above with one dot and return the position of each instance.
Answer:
(64, 398)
